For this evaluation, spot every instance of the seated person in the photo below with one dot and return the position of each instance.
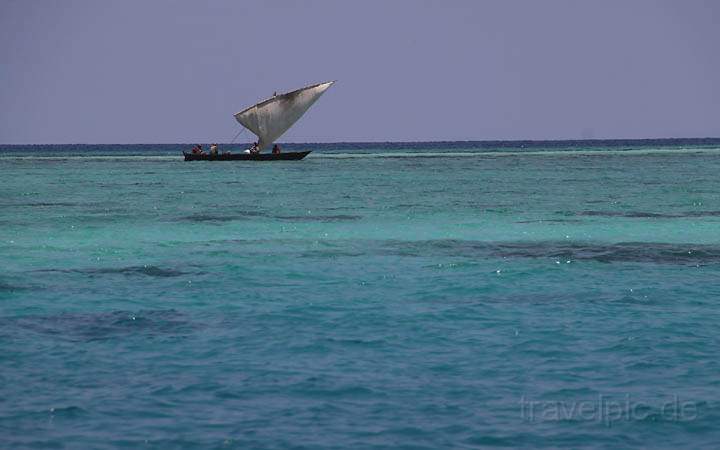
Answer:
(276, 149)
(254, 149)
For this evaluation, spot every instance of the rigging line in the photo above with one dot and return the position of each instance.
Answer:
(238, 134)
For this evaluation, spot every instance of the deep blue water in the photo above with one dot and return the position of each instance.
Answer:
(414, 295)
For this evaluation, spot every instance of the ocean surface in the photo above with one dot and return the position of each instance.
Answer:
(388, 295)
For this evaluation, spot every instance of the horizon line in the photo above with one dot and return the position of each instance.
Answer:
(391, 142)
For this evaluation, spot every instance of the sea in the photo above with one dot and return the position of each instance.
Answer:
(391, 295)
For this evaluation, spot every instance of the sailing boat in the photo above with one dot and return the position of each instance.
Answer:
(268, 120)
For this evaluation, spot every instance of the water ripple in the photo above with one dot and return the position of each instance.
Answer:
(147, 270)
(644, 252)
(87, 327)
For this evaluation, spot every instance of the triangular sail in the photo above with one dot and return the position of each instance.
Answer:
(273, 117)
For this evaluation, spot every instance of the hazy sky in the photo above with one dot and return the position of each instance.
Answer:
(135, 71)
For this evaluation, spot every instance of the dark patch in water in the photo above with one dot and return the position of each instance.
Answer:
(5, 287)
(329, 253)
(622, 252)
(44, 204)
(87, 327)
(700, 214)
(550, 221)
(201, 218)
(643, 252)
(70, 412)
(151, 271)
(331, 218)
(208, 218)
(649, 215)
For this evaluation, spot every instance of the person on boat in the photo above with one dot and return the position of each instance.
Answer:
(276, 149)
(213, 149)
(254, 149)
(196, 150)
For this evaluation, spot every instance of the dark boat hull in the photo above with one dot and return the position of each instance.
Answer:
(290, 156)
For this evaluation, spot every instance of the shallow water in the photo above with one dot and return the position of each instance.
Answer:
(370, 296)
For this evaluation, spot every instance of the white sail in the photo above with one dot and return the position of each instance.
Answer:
(271, 118)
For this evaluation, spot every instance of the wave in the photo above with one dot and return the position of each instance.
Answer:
(687, 254)
(649, 215)
(247, 215)
(147, 270)
(201, 218)
(6, 287)
(637, 252)
(321, 218)
(623, 214)
(87, 327)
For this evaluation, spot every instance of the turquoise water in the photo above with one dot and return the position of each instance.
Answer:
(439, 295)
